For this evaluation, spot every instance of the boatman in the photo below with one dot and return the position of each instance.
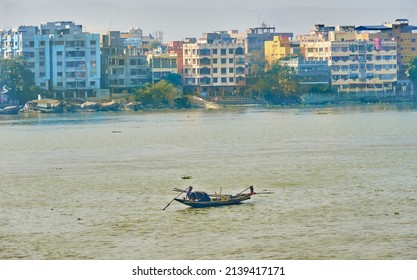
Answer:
(188, 192)
(251, 192)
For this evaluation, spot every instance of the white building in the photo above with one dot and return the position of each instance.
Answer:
(357, 62)
(216, 64)
(62, 57)
(363, 65)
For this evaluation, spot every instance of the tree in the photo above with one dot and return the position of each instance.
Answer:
(278, 84)
(15, 74)
(411, 72)
(257, 63)
(161, 94)
(174, 79)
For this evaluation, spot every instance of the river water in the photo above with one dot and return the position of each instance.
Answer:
(93, 185)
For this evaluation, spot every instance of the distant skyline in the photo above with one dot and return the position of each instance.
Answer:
(179, 19)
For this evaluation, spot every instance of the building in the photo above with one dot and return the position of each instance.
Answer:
(64, 59)
(404, 34)
(357, 61)
(136, 38)
(309, 72)
(278, 48)
(365, 65)
(74, 58)
(162, 65)
(217, 66)
(124, 66)
(175, 47)
(254, 38)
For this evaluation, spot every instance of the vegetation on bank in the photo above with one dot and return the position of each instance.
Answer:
(16, 76)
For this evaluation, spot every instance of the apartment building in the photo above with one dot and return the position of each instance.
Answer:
(64, 59)
(278, 48)
(175, 47)
(162, 65)
(255, 37)
(124, 66)
(401, 31)
(357, 61)
(309, 72)
(369, 65)
(214, 65)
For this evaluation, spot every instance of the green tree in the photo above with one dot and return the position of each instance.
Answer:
(15, 74)
(411, 72)
(278, 84)
(174, 79)
(257, 63)
(161, 94)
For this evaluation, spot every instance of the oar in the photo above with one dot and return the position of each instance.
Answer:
(244, 190)
(173, 200)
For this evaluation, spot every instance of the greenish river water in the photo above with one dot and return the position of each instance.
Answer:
(93, 185)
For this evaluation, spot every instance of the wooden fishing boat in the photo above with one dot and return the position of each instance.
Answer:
(202, 200)
(10, 110)
(44, 106)
(185, 177)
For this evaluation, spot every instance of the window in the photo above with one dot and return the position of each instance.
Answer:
(223, 70)
(231, 70)
(223, 80)
(223, 61)
(353, 67)
(214, 60)
(231, 51)
(214, 51)
(231, 60)
(231, 80)
(223, 51)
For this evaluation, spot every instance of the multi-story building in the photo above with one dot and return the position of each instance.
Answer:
(135, 37)
(357, 62)
(124, 66)
(254, 38)
(211, 66)
(363, 65)
(62, 57)
(404, 34)
(175, 47)
(161, 65)
(278, 48)
(309, 72)
(74, 58)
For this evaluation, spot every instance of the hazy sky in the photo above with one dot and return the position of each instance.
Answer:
(190, 18)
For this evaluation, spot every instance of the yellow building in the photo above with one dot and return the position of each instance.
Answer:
(276, 49)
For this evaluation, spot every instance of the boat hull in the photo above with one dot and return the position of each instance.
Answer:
(215, 203)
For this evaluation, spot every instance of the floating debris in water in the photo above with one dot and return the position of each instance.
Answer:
(116, 131)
